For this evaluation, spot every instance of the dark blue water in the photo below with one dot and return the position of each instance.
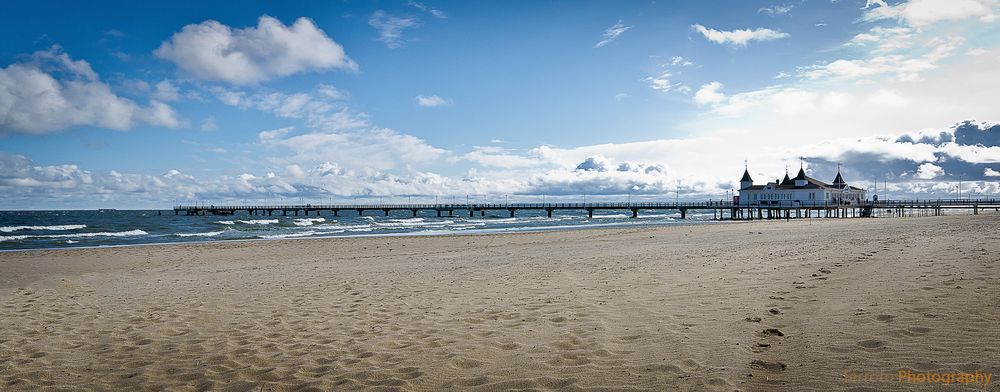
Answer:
(66, 229)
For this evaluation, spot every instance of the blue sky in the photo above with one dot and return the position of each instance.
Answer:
(141, 105)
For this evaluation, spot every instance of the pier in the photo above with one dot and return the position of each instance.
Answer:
(721, 210)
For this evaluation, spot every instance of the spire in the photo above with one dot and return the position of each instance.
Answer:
(840, 179)
(746, 176)
(802, 175)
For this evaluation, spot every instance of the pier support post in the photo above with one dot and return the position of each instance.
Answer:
(684, 213)
(360, 212)
(471, 212)
(511, 212)
(336, 212)
(414, 213)
(439, 213)
(590, 213)
(549, 211)
(635, 213)
(386, 211)
(482, 212)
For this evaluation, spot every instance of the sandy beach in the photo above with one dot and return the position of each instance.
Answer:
(751, 306)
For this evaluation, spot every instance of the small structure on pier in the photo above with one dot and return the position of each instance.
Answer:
(801, 190)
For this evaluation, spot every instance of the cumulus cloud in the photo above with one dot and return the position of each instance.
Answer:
(709, 94)
(739, 37)
(928, 171)
(51, 92)
(612, 33)
(390, 28)
(432, 101)
(213, 51)
(922, 13)
(28, 185)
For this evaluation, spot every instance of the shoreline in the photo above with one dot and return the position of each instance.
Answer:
(473, 232)
(764, 305)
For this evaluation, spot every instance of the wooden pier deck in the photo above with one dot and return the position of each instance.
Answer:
(720, 209)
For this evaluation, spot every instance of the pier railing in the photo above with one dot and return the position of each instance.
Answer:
(759, 209)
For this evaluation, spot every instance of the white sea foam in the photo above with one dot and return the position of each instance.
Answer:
(205, 234)
(226, 222)
(258, 221)
(308, 221)
(414, 222)
(130, 233)
(290, 235)
(11, 229)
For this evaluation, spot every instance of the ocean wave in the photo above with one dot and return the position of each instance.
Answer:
(205, 234)
(290, 235)
(11, 229)
(249, 222)
(414, 222)
(308, 221)
(130, 233)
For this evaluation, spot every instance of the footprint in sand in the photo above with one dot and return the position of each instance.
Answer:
(769, 366)
(885, 317)
(466, 363)
(871, 344)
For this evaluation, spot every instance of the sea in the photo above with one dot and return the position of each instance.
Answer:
(21, 230)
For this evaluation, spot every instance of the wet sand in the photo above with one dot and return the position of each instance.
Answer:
(753, 306)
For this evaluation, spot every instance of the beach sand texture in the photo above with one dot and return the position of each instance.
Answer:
(751, 306)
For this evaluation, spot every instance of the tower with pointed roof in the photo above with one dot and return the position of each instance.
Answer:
(746, 182)
(839, 181)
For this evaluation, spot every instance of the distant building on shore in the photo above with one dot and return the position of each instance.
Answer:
(801, 190)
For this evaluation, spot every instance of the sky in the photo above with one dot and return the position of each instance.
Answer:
(151, 104)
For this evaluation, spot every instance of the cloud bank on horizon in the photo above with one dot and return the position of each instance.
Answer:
(418, 100)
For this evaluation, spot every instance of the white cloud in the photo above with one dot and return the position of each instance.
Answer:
(778, 9)
(662, 83)
(432, 101)
(166, 91)
(989, 172)
(209, 124)
(976, 52)
(52, 92)
(709, 94)
(213, 51)
(273, 134)
(421, 6)
(364, 150)
(317, 109)
(922, 13)
(887, 98)
(928, 171)
(679, 61)
(390, 28)
(612, 33)
(900, 66)
(739, 37)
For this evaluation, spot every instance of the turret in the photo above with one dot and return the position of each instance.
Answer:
(839, 181)
(800, 179)
(746, 182)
